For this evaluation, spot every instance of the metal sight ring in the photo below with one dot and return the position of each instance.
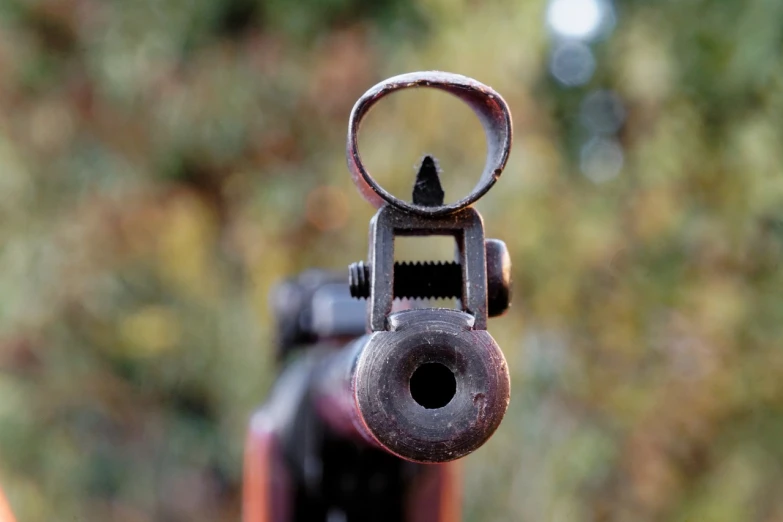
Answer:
(488, 105)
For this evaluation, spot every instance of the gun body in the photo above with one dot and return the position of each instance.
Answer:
(376, 402)
(306, 462)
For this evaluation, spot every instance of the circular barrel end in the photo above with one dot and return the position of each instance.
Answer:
(431, 389)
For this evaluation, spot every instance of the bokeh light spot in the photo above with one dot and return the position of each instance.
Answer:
(602, 112)
(151, 330)
(575, 18)
(572, 63)
(601, 159)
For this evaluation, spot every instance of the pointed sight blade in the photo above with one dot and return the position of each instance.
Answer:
(427, 190)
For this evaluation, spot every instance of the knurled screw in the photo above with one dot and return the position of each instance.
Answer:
(427, 280)
(441, 280)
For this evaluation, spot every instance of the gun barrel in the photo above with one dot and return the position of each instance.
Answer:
(431, 389)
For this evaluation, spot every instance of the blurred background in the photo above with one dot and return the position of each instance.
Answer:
(164, 162)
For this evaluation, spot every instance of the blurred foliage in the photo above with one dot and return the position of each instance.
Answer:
(164, 162)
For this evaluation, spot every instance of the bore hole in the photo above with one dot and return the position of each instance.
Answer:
(433, 385)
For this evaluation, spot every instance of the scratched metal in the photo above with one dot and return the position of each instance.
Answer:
(488, 105)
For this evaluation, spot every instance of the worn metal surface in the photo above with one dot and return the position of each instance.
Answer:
(382, 376)
(431, 385)
(441, 280)
(428, 385)
(499, 282)
(306, 461)
(488, 105)
(465, 226)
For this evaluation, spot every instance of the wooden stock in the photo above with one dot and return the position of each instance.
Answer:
(436, 495)
(265, 490)
(433, 496)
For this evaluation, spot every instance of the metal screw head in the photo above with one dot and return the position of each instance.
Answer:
(498, 277)
(444, 280)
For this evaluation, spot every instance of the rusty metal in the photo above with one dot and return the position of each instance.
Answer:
(442, 280)
(420, 280)
(498, 277)
(488, 105)
(402, 344)
(427, 385)
(396, 420)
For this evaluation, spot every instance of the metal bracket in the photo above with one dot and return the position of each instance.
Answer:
(428, 215)
(466, 226)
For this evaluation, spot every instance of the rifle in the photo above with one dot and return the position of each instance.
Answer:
(377, 398)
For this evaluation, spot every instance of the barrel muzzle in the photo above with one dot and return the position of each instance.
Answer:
(431, 389)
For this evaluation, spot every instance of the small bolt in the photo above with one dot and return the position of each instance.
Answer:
(441, 280)
(411, 280)
(359, 280)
